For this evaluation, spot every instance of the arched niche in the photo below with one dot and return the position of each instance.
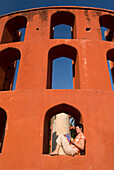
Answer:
(68, 109)
(13, 29)
(107, 27)
(68, 52)
(3, 119)
(63, 17)
(8, 60)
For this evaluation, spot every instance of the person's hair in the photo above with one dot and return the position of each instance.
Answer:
(80, 126)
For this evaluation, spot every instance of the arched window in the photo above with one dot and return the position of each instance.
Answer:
(14, 30)
(3, 118)
(54, 111)
(110, 61)
(69, 52)
(8, 67)
(63, 19)
(107, 27)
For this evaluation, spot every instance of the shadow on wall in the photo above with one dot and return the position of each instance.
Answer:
(110, 61)
(8, 60)
(68, 109)
(3, 119)
(107, 24)
(13, 29)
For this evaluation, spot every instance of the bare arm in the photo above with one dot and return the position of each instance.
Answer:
(81, 144)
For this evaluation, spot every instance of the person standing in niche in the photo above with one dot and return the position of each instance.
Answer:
(71, 146)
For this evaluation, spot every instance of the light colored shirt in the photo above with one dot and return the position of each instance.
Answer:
(77, 139)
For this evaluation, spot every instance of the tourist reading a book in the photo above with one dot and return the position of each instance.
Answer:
(71, 146)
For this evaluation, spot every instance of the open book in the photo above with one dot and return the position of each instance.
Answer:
(67, 136)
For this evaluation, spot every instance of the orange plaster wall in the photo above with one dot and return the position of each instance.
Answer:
(23, 141)
(26, 107)
(92, 64)
(32, 72)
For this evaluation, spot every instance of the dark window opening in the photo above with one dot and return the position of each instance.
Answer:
(72, 67)
(51, 134)
(3, 118)
(63, 22)
(107, 27)
(88, 29)
(14, 30)
(8, 69)
(110, 62)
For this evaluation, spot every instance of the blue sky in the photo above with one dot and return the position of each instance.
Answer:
(7, 6)
(60, 80)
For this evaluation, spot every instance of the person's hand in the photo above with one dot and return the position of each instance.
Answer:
(72, 140)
